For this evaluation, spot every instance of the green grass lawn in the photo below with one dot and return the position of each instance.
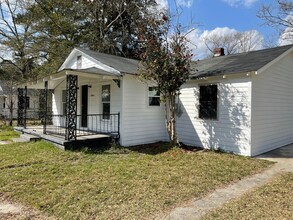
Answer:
(7, 132)
(272, 201)
(115, 183)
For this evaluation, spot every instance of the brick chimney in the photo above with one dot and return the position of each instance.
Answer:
(219, 52)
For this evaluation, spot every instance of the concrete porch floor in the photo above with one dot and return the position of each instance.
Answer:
(59, 140)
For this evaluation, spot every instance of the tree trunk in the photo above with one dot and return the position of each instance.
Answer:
(171, 119)
(11, 112)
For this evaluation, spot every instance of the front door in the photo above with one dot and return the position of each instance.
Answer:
(84, 105)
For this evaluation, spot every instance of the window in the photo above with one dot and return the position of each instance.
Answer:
(106, 95)
(64, 102)
(78, 62)
(154, 96)
(27, 102)
(4, 102)
(208, 102)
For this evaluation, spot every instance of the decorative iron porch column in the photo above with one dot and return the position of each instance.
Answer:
(46, 108)
(21, 108)
(71, 107)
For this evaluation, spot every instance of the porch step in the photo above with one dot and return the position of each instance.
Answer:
(18, 140)
(29, 137)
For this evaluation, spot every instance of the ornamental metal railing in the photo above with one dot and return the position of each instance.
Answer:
(86, 125)
(93, 124)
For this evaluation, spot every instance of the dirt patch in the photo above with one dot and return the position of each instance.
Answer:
(12, 211)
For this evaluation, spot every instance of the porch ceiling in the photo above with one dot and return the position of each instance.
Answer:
(55, 79)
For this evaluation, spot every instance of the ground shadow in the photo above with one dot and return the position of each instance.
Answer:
(114, 148)
(285, 152)
(151, 149)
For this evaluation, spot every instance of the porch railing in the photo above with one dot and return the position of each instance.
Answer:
(55, 124)
(91, 124)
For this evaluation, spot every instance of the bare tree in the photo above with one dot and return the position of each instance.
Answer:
(234, 41)
(226, 41)
(280, 16)
(16, 37)
(8, 79)
(248, 41)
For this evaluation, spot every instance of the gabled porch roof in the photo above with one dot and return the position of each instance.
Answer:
(108, 62)
(104, 66)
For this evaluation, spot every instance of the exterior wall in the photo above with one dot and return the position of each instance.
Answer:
(272, 107)
(141, 123)
(57, 104)
(57, 99)
(231, 131)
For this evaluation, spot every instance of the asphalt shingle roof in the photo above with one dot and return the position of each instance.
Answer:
(122, 64)
(216, 66)
(236, 63)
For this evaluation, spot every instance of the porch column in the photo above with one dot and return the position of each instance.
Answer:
(71, 107)
(45, 108)
(21, 108)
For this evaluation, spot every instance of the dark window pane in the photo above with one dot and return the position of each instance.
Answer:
(106, 110)
(153, 91)
(79, 62)
(27, 102)
(64, 108)
(63, 95)
(106, 93)
(64, 102)
(154, 101)
(208, 102)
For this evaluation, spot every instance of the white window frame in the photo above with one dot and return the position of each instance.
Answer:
(106, 102)
(217, 113)
(152, 96)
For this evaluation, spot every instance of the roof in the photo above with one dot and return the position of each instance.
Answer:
(216, 66)
(122, 64)
(236, 63)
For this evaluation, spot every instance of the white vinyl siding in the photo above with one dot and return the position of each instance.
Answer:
(272, 107)
(231, 131)
(141, 123)
(85, 63)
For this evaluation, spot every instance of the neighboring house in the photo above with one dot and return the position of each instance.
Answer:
(240, 103)
(9, 97)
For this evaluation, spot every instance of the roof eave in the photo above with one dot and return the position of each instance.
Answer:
(268, 65)
(223, 76)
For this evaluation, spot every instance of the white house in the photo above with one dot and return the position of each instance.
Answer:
(9, 99)
(240, 103)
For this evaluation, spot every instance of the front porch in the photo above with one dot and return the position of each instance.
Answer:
(74, 119)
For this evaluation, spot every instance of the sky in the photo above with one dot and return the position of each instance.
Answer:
(223, 16)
